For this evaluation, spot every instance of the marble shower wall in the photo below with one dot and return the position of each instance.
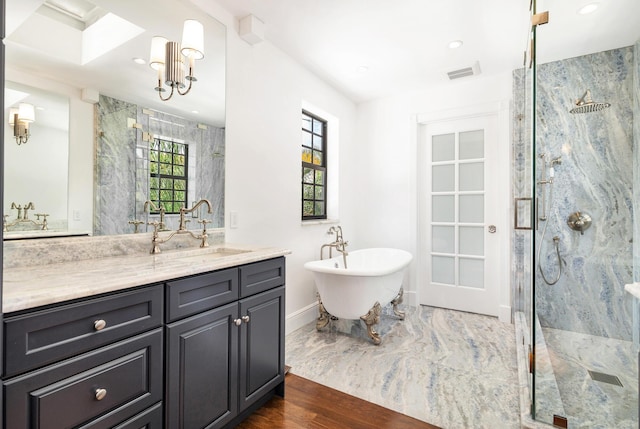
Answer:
(122, 165)
(595, 177)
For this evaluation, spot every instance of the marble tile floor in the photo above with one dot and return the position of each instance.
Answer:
(588, 403)
(448, 368)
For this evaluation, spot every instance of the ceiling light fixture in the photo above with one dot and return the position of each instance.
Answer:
(454, 44)
(169, 58)
(139, 61)
(19, 119)
(588, 8)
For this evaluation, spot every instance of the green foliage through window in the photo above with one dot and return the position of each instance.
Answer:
(168, 174)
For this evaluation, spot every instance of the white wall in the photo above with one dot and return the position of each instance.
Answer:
(266, 90)
(386, 135)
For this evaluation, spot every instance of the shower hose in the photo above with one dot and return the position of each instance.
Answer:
(556, 241)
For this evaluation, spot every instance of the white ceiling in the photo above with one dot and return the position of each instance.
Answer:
(403, 43)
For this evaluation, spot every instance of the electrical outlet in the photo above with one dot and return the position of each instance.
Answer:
(233, 219)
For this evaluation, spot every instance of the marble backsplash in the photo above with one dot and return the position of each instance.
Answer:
(30, 253)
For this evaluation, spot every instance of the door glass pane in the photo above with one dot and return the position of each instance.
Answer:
(471, 240)
(443, 208)
(443, 147)
(443, 239)
(471, 272)
(471, 144)
(472, 176)
(471, 208)
(443, 178)
(442, 269)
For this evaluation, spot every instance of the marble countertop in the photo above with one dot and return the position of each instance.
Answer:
(633, 289)
(29, 287)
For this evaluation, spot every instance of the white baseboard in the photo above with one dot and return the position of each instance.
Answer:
(410, 298)
(504, 314)
(299, 318)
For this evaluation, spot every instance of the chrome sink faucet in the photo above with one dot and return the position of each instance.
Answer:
(184, 211)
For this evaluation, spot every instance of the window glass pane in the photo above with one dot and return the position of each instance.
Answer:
(471, 272)
(443, 147)
(180, 185)
(472, 176)
(320, 193)
(306, 122)
(307, 175)
(319, 211)
(165, 169)
(166, 195)
(317, 127)
(443, 178)
(153, 167)
(471, 208)
(317, 158)
(471, 144)
(442, 269)
(317, 142)
(319, 177)
(154, 195)
(178, 170)
(471, 240)
(306, 155)
(442, 239)
(443, 208)
(307, 208)
(307, 192)
(166, 183)
(179, 160)
(180, 196)
(306, 139)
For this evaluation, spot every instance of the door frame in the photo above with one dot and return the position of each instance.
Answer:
(501, 110)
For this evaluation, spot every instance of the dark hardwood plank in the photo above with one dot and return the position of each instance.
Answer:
(311, 405)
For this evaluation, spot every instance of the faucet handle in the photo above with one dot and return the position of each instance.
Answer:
(135, 224)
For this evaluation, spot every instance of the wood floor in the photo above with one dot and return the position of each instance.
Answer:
(310, 405)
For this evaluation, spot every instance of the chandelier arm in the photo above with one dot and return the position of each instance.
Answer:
(170, 95)
(188, 89)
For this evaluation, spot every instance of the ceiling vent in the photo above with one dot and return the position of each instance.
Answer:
(464, 72)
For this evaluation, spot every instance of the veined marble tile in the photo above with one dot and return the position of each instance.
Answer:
(448, 368)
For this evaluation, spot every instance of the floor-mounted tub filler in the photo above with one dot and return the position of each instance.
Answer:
(373, 279)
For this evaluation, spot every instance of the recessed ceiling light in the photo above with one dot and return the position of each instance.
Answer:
(39, 108)
(139, 61)
(454, 44)
(588, 8)
(195, 112)
(362, 69)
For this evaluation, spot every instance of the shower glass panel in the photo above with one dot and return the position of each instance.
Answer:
(586, 362)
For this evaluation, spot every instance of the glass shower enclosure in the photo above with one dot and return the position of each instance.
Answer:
(578, 156)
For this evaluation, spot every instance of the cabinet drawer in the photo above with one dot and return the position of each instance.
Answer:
(199, 293)
(46, 336)
(148, 419)
(66, 394)
(261, 276)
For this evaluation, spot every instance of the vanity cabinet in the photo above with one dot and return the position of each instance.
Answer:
(91, 364)
(227, 359)
(201, 351)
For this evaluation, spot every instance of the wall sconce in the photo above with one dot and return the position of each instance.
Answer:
(19, 119)
(168, 58)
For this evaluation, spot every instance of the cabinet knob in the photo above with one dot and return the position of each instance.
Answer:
(100, 394)
(99, 325)
(245, 319)
(238, 322)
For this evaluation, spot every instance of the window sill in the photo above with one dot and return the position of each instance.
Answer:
(320, 222)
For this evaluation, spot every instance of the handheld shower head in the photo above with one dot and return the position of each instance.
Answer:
(556, 161)
(587, 105)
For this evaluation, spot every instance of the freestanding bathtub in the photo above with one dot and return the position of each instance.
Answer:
(373, 279)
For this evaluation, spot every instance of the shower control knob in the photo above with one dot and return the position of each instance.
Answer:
(492, 229)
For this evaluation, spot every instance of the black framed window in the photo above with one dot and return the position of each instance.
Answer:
(168, 174)
(314, 167)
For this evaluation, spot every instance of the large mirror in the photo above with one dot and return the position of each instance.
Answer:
(86, 55)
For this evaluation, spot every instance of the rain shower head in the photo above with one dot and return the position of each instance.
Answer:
(587, 105)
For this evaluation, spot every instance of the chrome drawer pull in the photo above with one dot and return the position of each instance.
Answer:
(245, 319)
(99, 325)
(238, 322)
(100, 394)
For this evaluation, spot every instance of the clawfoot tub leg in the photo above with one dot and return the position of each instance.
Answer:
(398, 300)
(372, 318)
(324, 317)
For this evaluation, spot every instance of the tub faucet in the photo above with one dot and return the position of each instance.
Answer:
(339, 244)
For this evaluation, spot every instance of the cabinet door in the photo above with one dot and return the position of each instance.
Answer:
(261, 345)
(202, 370)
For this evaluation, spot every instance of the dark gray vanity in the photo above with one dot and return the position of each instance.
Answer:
(203, 350)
